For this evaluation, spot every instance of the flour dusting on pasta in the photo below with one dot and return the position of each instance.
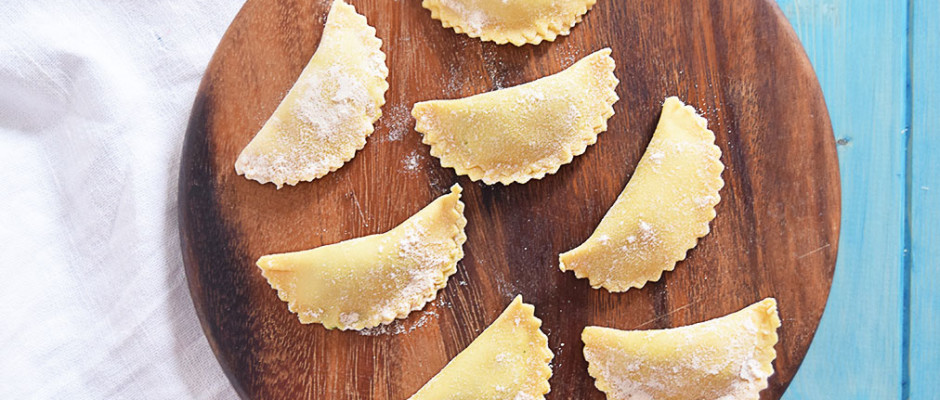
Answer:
(328, 113)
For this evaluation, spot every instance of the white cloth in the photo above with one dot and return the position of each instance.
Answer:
(94, 100)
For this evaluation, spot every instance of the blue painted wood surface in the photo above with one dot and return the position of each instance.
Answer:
(877, 62)
(924, 194)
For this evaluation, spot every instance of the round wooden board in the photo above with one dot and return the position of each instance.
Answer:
(739, 62)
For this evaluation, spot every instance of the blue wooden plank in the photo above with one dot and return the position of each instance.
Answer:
(859, 51)
(924, 342)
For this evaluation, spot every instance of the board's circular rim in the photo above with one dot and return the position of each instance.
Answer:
(194, 123)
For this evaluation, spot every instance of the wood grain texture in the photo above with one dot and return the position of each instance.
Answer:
(858, 49)
(739, 62)
(924, 212)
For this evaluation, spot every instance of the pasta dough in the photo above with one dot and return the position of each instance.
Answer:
(724, 358)
(510, 21)
(329, 112)
(523, 132)
(663, 210)
(508, 361)
(372, 280)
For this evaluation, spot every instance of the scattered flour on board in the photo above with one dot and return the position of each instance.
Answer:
(412, 162)
(453, 84)
(569, 56)
(399, 327)
(397, 119)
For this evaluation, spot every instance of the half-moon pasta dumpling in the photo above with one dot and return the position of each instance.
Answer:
(328, 113)
(523, 132)
(662, 212)
(372, 280)
(513, 21)
(724, 358)
(508, 361)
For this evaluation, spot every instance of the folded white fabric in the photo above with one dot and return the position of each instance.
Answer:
(94, 100)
